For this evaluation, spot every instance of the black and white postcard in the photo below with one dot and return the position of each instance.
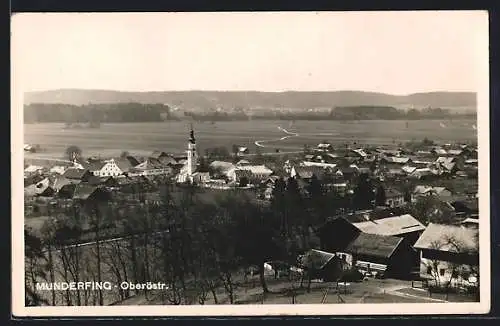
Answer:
(250, 163)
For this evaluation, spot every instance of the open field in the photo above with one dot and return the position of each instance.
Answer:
(142, 138)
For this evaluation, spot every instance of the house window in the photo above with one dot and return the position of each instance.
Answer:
(441, 271)
(429, 270)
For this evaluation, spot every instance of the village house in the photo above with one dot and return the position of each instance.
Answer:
(110, 167)
(58, 169)
(77, 174)
(449, 254)
(307, 172)
(404, 226)
(90, 193)
(394, 197)
(151, 166)
(443, 193)
(336, 234)
(322, 265)
(42, 188)
(324, 147)
(256, 172)
(219, 169)
(395, 160)
(34, 169)
(380, 256)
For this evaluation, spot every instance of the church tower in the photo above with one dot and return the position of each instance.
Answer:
(192, 156)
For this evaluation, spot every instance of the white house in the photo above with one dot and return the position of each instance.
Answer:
(34, 169)
(105, 168)
(448, 253)
(320, 164)
(257, 171)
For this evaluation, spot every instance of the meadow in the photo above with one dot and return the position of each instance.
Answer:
(143, 138)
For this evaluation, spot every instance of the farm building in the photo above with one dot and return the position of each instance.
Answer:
(336, 234)
(386, 256)
(448, 253)
(323, 265)
(405, 226)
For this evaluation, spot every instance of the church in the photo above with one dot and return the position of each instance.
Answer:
(188, 173)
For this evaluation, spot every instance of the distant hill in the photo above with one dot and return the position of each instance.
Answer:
(455, 101)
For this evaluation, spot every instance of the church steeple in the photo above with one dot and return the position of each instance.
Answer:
(192, 140)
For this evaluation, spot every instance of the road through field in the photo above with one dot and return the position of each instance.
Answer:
(290, 134)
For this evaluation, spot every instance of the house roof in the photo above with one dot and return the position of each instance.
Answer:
(32, 179)
(447, 237)
(95, 165)
(74, 173)
(61, 181)
(395, 225)
(133, 160)
(33, 168)
(454, 151)
(67, 188)
(308, 171)
(94, 180)
(37, 188)
(242, 162)
(59, 169)
(408, 169)
(167, 160)
(396, 159)
(84, 191)
(149, 164)
(158, 154)
(374, 245)
(124, 164)
(444, 159)
(221, 165)
(322, 165)
(316, 259)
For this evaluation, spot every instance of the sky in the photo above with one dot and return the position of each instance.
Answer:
(390, 52)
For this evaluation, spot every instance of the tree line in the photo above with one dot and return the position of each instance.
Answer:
(94, 114)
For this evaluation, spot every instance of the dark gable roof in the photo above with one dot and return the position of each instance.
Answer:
(158, 154)
(316, 259)
(132, 160)
(32, 179)
(374, 245)
(74, 173)
(124, 164)
(67, 191)
(95, 165)
(84, 191)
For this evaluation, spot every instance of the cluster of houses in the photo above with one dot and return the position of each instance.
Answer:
(385, 241)
(337, 169)
(390, 244)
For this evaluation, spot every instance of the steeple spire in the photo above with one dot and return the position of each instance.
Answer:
(192, 140)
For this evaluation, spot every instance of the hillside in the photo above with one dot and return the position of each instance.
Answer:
(455, 101)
